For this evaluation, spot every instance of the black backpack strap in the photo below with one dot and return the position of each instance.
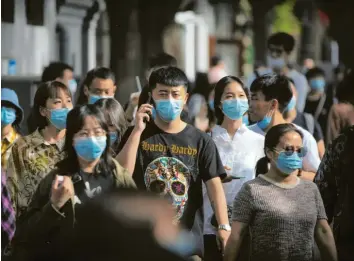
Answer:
(320, 106)
(256, 73)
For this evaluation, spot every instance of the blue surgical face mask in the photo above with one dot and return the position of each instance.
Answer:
(264, 123)
(113, 136)
(291, 104)
(288, 164)
(234, 109)
(276, 63)
(211, 104)
(184, 245)
(94, 98)
(245, 120)
(169, 110)
(58, 118)
(90, 148)
(317, 84)
(73, 85)
(8, 116)
(153, 113)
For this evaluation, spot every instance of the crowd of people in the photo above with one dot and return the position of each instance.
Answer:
(223, 170)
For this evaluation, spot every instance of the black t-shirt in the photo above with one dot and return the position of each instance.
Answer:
(311, 107)
(91, 186)
(301, 121)
(174, 165)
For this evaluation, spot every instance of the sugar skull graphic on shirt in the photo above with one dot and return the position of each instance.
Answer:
(169, 178)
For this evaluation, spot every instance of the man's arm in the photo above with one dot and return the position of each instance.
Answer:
(127, 156)
(218, 202)
(312, 159)
(302, 90)
(321, 148)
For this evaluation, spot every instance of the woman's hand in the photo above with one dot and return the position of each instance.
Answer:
(62, 191)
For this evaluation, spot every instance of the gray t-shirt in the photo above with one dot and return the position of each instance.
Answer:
(282, 219)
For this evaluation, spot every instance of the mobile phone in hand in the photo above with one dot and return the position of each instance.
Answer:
(148, 102)
(60, 181)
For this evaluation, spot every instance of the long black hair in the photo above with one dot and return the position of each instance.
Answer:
(219, 90)
(101, 73)
(45, 91)
(114, 114)
(272, 139)
(75, 121)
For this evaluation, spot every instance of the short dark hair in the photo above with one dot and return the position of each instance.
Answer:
(169, 76)
(345, 90)
(282, 39)
(115, 114)
(74, 122)
(315, 72)
(271, 140)
(45, 91)
(219, 90)
(55, 70)
(215, 60)
(99, 72)
(274, 86)
(162, 59)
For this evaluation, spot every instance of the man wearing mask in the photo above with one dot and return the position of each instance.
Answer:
(270, 97)
(156, 61)
(62, 72)
(318, 103)
(280, 46)
(99, 83)
(171, 158)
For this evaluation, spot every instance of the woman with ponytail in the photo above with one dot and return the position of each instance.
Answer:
(285, 214)
(239, 148)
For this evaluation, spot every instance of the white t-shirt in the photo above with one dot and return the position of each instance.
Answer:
(241, 154)
(312, 159)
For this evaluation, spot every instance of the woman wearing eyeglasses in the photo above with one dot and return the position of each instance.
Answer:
(88, 171)
(284, 213)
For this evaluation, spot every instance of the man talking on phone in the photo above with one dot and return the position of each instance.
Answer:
(170, 157)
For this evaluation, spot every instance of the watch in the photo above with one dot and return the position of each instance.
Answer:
(226, 227)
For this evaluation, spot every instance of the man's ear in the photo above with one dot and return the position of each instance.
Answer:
(114, 88)
(186, 98)
(274, 105)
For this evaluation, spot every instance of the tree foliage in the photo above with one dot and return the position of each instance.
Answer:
(285, 19)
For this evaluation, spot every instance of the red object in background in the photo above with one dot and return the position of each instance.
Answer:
(323, 18)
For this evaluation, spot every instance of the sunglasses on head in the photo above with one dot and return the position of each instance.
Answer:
(289, 150)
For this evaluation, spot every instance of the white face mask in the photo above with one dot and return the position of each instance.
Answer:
(276, 63)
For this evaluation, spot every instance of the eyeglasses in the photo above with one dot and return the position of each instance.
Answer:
(289, 150)
(89, 133)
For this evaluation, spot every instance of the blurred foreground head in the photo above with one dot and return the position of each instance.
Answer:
(125, 226)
